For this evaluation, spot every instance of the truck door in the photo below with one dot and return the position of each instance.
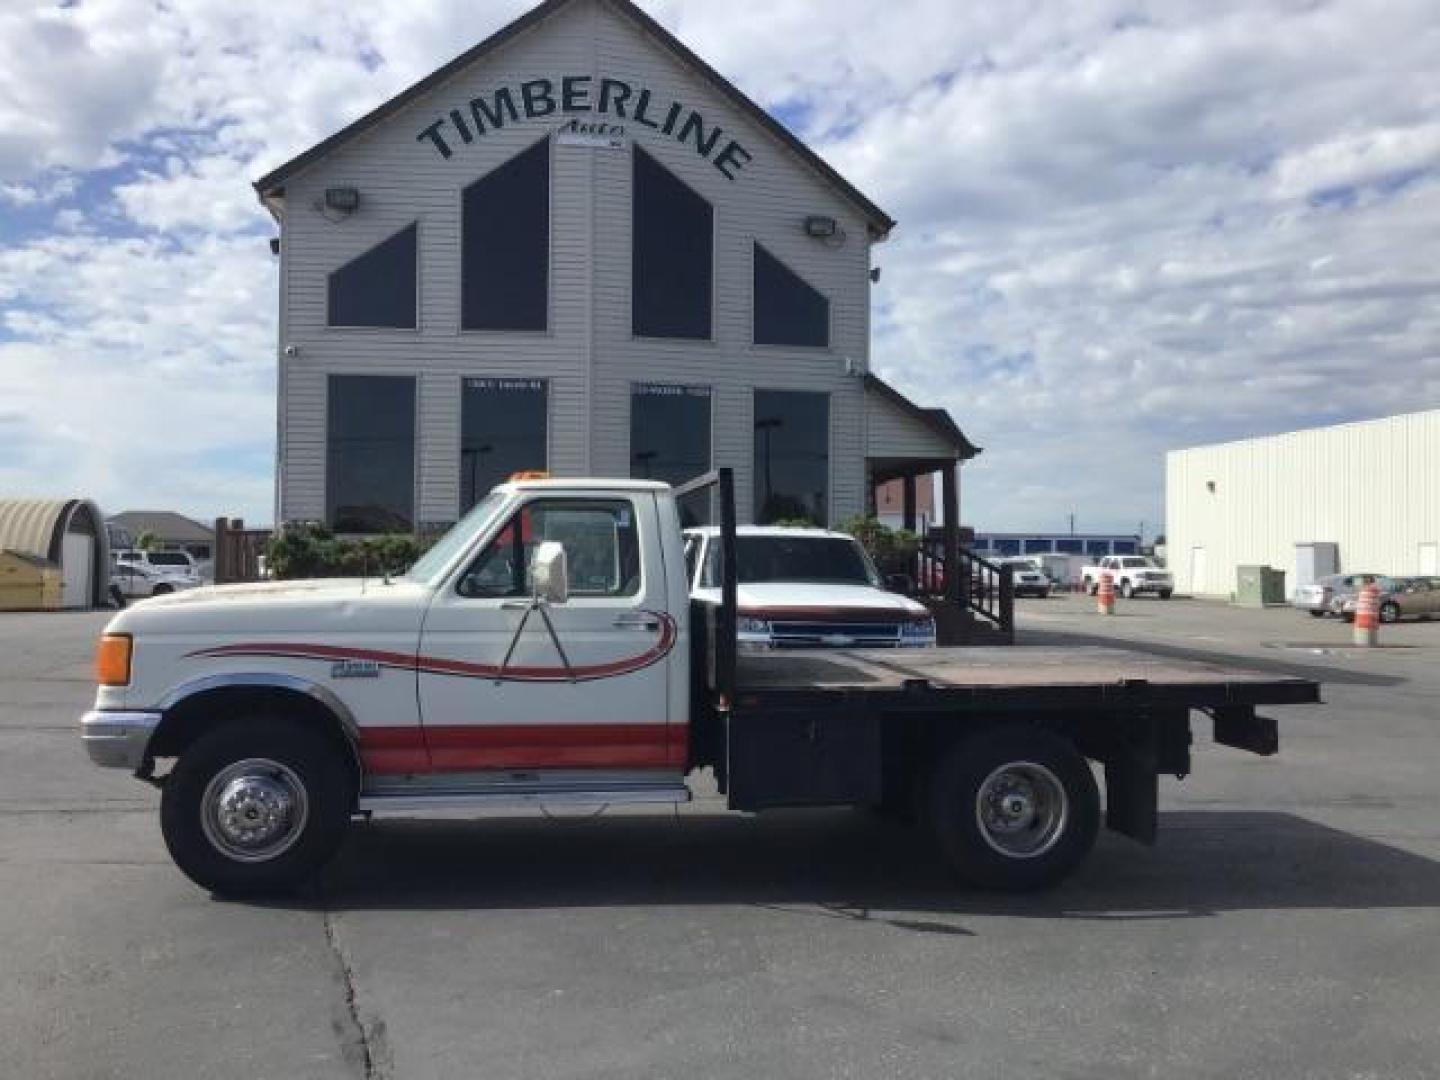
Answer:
(593, 695)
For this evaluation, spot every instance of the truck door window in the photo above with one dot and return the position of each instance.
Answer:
(602, 549)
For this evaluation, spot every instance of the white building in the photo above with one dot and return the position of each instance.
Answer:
(577, 248)
(1371, 488)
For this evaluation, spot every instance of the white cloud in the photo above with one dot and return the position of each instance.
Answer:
(1119, 233)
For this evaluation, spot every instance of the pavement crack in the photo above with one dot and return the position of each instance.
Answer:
(364, 1044)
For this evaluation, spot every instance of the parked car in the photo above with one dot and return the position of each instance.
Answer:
(1401, 598)
(136, 581)
(1028, 577)
(1327, 595)
(1132, 574)
(806, 588)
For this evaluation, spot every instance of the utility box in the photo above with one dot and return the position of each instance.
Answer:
(1259, 586)
(28, 583)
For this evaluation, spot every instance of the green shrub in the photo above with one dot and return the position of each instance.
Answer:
(308, 549)
(892, 550)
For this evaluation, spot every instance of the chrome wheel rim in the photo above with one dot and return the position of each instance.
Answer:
(1022, 809)
(254, 810)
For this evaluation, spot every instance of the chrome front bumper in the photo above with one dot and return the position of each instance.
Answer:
(117, 740)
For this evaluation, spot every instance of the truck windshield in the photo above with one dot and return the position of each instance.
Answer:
(460, 534)
(794, 558)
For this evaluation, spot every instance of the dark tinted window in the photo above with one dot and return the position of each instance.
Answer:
(502, 431)
(1097, 547)
(672, 255)
(670, 440)
(1007, 546)
(370, 453)
(505, 245)
(793, 558)
(1033, 547)
(1124, 547)
(787, 310)
(602, 549)
(1070, 546)
(792, 456)
(378, 287)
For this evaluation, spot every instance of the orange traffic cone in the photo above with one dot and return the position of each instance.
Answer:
(1105, 594)
(1367, 615)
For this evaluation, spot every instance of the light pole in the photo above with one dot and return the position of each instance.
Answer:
(767, 425)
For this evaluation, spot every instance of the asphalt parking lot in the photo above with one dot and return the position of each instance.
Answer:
(1287, 924)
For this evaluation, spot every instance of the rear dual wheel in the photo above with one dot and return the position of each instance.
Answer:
(1014, 808)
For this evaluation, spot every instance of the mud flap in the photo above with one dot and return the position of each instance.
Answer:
(1238, 726)
(1147, 746)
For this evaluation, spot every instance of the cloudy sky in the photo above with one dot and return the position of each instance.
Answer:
(1124, 228)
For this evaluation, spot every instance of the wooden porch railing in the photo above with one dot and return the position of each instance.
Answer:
(986, 592)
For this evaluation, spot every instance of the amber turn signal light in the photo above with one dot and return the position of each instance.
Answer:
(112, 660)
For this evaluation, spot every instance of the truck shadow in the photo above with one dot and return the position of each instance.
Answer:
(847, 865)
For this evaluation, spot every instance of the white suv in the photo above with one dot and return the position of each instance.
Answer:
(174, 563)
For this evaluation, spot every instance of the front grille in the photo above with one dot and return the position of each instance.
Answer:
(811, 634)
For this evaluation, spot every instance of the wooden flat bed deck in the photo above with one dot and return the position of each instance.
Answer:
(1010, 672)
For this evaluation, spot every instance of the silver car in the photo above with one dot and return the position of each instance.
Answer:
(1327, 595)
(1402, 598)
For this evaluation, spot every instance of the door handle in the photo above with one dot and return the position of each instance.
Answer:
(637, 622)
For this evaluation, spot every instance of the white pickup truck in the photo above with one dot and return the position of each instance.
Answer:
(806, 588)
(1132, 574)
(545, 651)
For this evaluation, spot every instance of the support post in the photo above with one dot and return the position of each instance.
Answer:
(907, 510)
(950, 504)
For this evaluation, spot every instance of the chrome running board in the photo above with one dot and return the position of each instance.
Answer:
(485, 791)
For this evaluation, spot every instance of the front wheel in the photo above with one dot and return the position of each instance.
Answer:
(1127, 590)
(1389, 612)
(1014, 808)
(1165, 594)
(256, 807)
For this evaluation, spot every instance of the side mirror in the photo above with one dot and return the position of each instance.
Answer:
(900, 583)
(549, 573)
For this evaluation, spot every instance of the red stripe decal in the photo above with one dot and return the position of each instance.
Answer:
(434, 665)
(521, 746)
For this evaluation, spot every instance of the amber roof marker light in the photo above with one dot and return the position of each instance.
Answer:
(112, 659)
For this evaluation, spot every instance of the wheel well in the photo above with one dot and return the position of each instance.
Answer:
(915, 744)
(203, 712)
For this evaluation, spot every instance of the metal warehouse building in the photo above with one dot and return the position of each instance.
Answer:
(67, 535)
(577, 248)
(1372, 489)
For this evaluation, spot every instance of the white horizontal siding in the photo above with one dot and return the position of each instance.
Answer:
(587, 353)
(893, 433)
(1371, 487)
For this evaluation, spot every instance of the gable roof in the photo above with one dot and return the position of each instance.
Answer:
(166, 524)
(937, 420)
(273, 182)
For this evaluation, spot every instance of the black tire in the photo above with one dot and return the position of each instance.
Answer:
(302, 756)
(1127, 590)
(1091, 587)
(1316, 614)
(161, 590)
(975, 765)
(1389, 612)
(1165, 594)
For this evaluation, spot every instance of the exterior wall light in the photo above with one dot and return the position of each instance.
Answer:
(345, 200)
(821, 227)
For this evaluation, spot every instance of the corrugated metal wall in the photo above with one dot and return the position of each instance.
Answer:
(1373, 487)
(588, 354)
